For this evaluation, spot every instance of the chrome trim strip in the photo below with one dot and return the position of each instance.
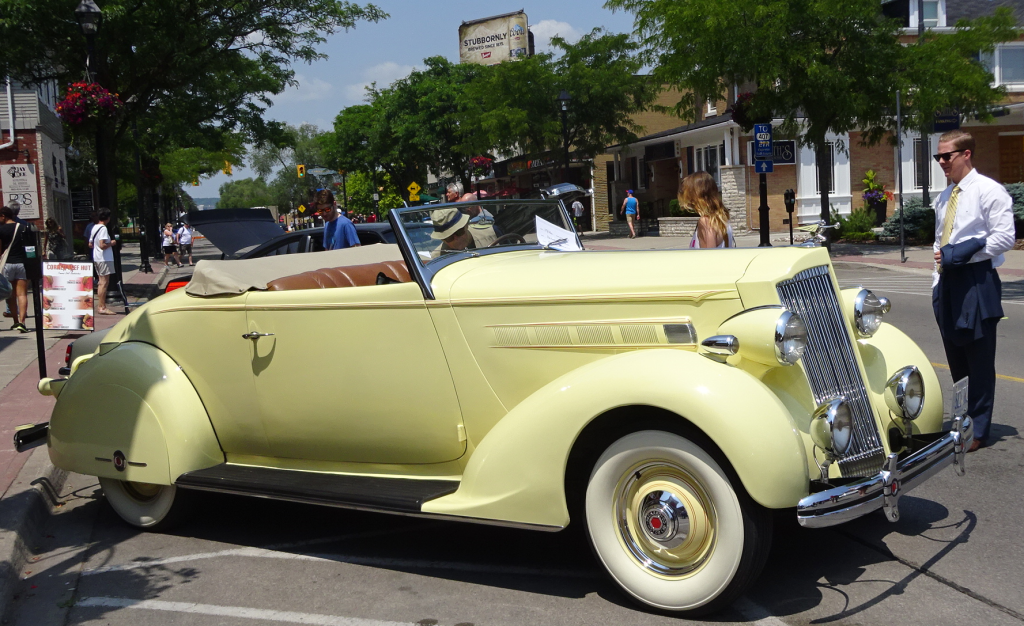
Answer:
(669, 296)
(831, 363)
(842, 504)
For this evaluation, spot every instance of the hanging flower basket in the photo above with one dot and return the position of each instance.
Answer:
(480, 165)
(87, 102)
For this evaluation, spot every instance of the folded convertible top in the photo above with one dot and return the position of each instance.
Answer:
(221, 278)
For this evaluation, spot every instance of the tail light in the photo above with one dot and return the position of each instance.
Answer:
(67, 356)
(175, 284)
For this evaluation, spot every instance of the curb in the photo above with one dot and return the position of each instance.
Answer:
(23, 512)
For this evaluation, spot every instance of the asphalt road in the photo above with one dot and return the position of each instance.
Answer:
(953, 557)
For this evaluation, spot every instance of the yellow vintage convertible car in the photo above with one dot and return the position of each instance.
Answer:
(663, 402)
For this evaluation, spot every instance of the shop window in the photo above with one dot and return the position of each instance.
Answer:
(1006, 65)
(709, 159)
(934, 15)
(830, 152)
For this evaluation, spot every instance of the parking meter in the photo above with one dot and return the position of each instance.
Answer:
(33, 255)
(789, 197)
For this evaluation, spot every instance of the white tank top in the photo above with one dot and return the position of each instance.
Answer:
(695, 242)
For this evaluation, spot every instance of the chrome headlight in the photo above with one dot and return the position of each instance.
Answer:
(832, 427)
(790, 338)
(904, 393)
(868, 310)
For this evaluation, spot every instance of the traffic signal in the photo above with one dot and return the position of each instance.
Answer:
(227, 168)
(301, 170)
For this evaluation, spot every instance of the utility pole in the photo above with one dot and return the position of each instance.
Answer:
(923, 164)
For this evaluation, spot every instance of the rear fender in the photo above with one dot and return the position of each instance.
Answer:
(517, 471)
(135, 400)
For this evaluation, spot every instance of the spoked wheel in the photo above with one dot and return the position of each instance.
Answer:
(670, 528)
(147, 506)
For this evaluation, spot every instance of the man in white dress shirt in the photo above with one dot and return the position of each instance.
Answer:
(973, 228)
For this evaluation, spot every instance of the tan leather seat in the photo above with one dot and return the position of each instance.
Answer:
(334, 277)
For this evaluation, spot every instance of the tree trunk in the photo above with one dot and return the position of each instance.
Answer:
(823, 158)
(106, 175)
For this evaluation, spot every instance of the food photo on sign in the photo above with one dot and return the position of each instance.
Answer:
(67, 296)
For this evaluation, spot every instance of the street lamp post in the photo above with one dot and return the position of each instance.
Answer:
(563, 99)
(89, 18)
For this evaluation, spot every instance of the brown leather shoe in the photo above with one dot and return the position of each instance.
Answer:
(976, 445)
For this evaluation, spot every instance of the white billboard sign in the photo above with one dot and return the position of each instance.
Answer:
(19, 185)
(495, 39)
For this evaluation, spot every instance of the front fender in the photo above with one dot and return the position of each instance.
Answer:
(888, 350)
(517, 472)
(133, 399)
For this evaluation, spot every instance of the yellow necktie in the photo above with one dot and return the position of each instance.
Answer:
(947, 222)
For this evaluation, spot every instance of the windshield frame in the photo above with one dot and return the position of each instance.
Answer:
(424, 273)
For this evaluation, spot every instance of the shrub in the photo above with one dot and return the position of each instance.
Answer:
(674, 210)
(80, 246)
(1016, 191)
(856, 226)
(918, 220)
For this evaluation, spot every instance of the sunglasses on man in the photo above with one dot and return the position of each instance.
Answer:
(945, 156)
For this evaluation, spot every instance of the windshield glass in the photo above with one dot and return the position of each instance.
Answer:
(438, 231)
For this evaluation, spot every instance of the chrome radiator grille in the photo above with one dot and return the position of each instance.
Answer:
(831, 365)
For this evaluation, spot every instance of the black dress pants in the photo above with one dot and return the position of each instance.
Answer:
(977, 360)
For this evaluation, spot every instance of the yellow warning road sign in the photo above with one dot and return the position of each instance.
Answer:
(302, 208)
(413, 189)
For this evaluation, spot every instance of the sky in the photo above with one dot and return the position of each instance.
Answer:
(390, 49)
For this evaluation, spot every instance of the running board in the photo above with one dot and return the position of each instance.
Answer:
(369, 493)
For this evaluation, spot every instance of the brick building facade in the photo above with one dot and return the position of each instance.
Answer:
(38, 142)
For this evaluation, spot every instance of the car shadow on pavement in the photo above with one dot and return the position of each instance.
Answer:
(806, 565)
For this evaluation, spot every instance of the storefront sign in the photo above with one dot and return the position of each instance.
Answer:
(783, 152)
(517, 166)
(19, 185)
(67, 296)
(495, 39)
(81, 204)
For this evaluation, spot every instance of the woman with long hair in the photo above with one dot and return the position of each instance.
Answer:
(55, 240)
(699, 192)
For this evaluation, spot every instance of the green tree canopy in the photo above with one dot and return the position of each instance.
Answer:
(190, 72)
(822, 66)
(244, 193)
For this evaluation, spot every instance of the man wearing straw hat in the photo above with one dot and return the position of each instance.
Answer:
(452, 227)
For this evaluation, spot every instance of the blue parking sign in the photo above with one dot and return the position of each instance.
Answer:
(764, 167)
(762, 141)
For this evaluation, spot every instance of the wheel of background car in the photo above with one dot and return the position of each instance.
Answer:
(670, 528)
(151, 507)
(508, 237)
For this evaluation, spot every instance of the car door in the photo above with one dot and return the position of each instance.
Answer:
(353, 374)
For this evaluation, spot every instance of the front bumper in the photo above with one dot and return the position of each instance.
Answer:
(883, 491)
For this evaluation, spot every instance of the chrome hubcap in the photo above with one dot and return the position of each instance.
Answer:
(143, 492)
(665, 519)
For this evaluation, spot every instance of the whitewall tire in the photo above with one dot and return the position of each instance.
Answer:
(669, 526)
(146, 506)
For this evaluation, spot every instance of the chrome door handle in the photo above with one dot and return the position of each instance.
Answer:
(256, 335)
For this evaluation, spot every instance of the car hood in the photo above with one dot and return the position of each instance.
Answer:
(611, 275)
(234, 229)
